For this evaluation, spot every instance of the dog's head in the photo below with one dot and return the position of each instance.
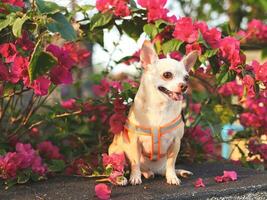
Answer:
(168, 76)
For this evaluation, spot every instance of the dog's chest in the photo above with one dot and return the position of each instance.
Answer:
(150, 144)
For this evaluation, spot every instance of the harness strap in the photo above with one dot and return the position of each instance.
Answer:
(154, 133)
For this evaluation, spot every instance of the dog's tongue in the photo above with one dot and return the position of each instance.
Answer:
(177, 96)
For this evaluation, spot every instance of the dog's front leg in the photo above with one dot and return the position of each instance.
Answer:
(133, 153)
(170, 165)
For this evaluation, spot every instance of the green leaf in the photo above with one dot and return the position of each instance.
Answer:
(133, 28)
(8, 21)
(150, 30)
(57, 166)
(263, 4)
(159, 23)
(17, 26)
(100, 20)
(201, 40)
(264, 53)
(84, 8)
(62, 26)
(23, 177)
(171, 45)
(225, 76)
(10, 8)
(97, 35)
(47, 7)
(215, 66)
(40, 62)
(208, 54)
(2, 152)
(10, 183)
(133, 4)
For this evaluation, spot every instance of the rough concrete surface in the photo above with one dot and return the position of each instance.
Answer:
(250, 185)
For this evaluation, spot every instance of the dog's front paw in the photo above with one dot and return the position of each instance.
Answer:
(135, 179)
(173, 179)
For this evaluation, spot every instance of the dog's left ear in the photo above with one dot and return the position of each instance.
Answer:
(190, 60)
(148, 54)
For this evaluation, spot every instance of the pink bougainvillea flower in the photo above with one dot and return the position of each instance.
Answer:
(62, 55)
(227, 176)
(117, 161)
(3, 72)
(201, 26)
(132, 83)
(203, 137)
(135, 58)
(192, 47)
(260, 71)
(60, 75)
(152, 3)
(102, 191)
(102, 5)
(119, 107)
(116, 122)
(8, 165)
(115, 177)
(18, 3)
(263, 151)
(119, 7)
(79, 55)
(195, 107)
(228, 46)
(185, 30)
(231, 175)
(257, 30)
(199, 183)
(155, 9)
(248, 83)
(69, 104)
(19, 69)
(25, 155)
(250, 120)
(102, 89)
(41, 85)
(157, 13)
(230, 49)
(38, 166)
(24, 42)
(8, 51)
(213, 37)
(116, 85)
(231, 88)
(49, 150)
(176, 55)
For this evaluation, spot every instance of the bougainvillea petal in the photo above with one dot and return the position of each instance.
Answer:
(199, 183)
(102, 191)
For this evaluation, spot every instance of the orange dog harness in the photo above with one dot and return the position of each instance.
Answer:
(155, 133)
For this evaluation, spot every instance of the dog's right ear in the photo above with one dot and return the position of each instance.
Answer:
(148, 54)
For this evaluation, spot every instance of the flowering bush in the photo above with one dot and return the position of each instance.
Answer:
(39, 138)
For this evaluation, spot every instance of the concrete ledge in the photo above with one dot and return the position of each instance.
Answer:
(251, 184)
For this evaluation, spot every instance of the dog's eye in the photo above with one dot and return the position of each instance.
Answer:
(167, 75)
(186, 78)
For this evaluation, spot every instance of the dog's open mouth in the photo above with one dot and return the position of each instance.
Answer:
(173, 95)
